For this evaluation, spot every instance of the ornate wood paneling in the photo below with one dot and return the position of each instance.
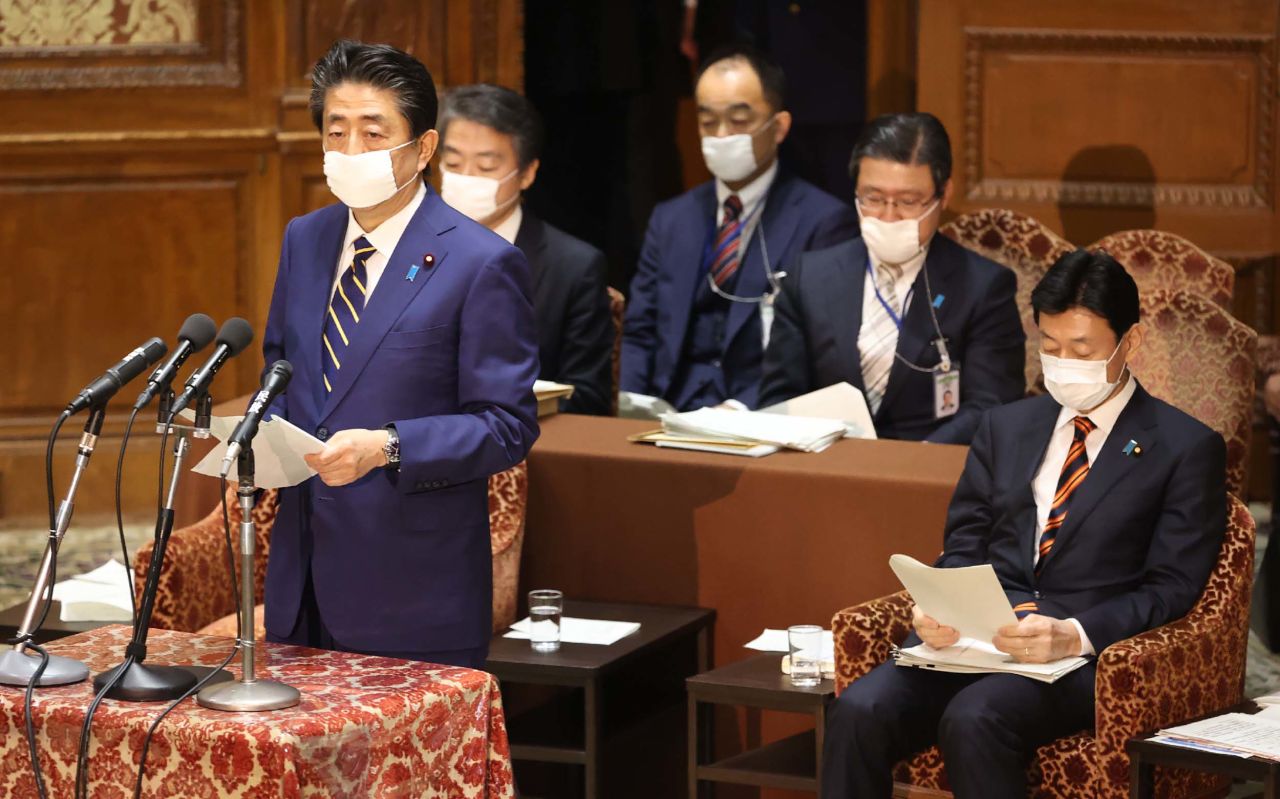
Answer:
(125, 211)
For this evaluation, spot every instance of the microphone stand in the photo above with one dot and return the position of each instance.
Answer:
(140, 682)
(16, 666)
(248, 693)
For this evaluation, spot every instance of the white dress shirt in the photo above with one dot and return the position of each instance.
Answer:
(753, 196)
(384, 237)
(510, 227)
(1045, 484)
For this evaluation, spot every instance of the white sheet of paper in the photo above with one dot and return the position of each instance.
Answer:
(277, 452)
(776, 641)
(969, 598)
(600, 632)
(971, 656)
(642, 406)
(1249, 733)
(99, 595)
(837, 401)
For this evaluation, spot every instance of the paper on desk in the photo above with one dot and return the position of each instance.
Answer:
(1240, 731)
(968, 598)
(100, 595)
(837, 401)
(581, 631)
(277, 452)
(776, 641)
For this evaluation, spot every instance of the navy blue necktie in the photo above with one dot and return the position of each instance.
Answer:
(345, 308)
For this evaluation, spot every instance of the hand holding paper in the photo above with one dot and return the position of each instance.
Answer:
(278, 452)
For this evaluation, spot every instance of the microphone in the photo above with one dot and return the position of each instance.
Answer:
(195, 335)
(273, 382)
(97, 393)
(234, 336)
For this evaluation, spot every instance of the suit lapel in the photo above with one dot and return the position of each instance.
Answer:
(531, 240)
(689, 240)
(1030, 455)
(1137, 422)
(314, 291)
(777, 227)
(917, 326)
(392, 295)
(844, 308)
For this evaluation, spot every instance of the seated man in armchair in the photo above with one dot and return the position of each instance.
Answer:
(1101, 509)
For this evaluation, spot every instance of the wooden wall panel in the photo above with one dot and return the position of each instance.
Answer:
(150, 156)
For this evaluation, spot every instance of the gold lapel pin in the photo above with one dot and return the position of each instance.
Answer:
(428, 260)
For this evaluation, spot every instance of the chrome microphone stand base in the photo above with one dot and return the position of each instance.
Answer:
(17, 665)
(249, 696)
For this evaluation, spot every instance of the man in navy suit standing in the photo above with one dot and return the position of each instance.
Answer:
(700, 307)
(901, 313)
(1101, 509)
(411, 335)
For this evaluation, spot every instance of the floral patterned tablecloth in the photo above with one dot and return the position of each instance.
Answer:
(366, 726)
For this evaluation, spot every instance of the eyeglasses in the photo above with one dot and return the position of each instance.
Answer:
(875, 204)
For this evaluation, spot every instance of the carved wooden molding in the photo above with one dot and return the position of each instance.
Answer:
(215, 61)
(981, 41)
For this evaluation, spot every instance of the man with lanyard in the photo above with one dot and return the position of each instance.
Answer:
(699, 308)
(928, 330)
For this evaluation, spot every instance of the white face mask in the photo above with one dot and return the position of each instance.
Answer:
(1078, 384)
(731, 158)
(893, 242)
(364, 180)
(475, 195)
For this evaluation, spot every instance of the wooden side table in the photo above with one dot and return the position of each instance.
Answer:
(793, 763)
(1145, 754)
(590, 669)
(53, 628)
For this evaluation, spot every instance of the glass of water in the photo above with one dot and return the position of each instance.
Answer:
(805, 643)
(545, 608)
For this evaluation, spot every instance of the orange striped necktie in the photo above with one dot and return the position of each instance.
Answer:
(345, 309)
(1074, 470)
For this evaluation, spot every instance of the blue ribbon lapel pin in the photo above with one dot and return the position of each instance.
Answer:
(1133, 449)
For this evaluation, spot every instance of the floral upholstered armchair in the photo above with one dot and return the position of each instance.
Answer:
(1188, 668)
(195, 592)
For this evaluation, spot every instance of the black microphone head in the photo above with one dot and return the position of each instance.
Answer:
(236, 334)
(199, 329)
(282, 368)
(153, 350)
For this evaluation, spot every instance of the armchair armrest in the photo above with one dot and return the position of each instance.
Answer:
(194, 588)
(865, 633)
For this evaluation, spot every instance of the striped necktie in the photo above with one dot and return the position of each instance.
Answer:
(724, 260)
(345, 308)
(1074, 470)
(878, 339)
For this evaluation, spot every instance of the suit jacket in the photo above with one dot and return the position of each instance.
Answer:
(1142, 531)
(819, 313)
(571, 306)
(796, 217)
(400, 560)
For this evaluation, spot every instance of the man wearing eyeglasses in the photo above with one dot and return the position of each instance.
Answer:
(699, 310)
(928, 330)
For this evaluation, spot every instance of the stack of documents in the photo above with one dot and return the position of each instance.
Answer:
(1238, 734)
(100, 595)
(789, 432)
(581, 631)
(838, 401)
(549, 395)
(971, 600)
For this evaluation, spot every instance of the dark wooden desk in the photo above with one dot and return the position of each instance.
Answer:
(53, 628)
(792, 763)
(546, 738)
(1145, 754)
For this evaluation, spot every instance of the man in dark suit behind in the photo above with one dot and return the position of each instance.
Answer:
(901, 311)
(490, 140)
(1101, 510)
(700, 305)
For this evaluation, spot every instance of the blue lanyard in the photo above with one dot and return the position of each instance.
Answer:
(897, 320)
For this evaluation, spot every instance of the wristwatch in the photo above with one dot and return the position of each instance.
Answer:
(392, 448)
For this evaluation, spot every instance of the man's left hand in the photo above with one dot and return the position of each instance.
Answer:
(349, 455)
(1038, 639)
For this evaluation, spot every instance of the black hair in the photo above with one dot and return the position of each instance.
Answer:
(382, 67)
(773, 82)
(915, 138)
(500, 108)
(1089, 279)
